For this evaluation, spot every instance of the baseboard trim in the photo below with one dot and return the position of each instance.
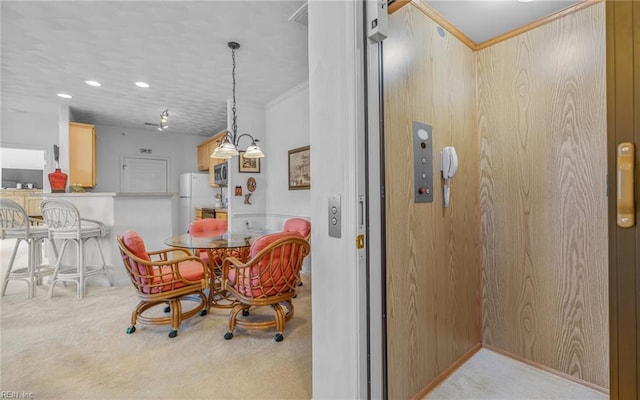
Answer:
(548, 369)
(447, 372)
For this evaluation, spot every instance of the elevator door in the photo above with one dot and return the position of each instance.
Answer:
(623, 68)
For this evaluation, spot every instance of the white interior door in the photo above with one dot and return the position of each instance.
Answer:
(143, 174)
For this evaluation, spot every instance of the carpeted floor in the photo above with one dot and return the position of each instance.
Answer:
(63, 348)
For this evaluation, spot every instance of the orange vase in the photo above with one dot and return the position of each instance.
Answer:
(58, 181)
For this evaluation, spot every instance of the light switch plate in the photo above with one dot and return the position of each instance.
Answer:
(335, 215)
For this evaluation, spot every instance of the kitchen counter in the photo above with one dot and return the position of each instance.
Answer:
(111, 194)
(153, 215)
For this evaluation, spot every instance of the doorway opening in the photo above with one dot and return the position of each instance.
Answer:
(22, 168)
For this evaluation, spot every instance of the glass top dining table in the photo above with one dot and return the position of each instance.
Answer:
(224, 241)
(217, 248)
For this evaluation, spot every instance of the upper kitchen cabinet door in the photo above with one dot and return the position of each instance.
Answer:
(203, 156)
(82, 155)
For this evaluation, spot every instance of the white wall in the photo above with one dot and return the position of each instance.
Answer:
(287, 124)
(41, 131)
(339, 366)
(112, 142)
(30, 131)
(21, 158)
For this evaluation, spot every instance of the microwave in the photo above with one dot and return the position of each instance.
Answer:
(220, 174)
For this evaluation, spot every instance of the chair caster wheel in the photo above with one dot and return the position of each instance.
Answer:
(131, 329)
(278, 337)
(173, 334)
(228, 336)
(203, 313)
(167, 309)
(245, 313)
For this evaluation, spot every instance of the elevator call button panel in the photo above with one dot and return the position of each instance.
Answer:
(422, 163)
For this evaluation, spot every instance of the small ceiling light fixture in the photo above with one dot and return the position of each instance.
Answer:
(93, 83)
(229, 148)
(65, 96)
(164, 120)
(142, 84)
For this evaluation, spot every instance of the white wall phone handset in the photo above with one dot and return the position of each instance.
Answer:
(449, 167)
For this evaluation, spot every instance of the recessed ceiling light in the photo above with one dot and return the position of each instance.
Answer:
(142, 84)
(64, 95)
(93, 83)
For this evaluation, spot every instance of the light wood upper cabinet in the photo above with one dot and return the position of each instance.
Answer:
(205, 162)
(82, 155)
(203, 156)
(215, 142)
(206, 148)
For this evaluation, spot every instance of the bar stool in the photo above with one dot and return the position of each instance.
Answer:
(65, 224)
(16, 224)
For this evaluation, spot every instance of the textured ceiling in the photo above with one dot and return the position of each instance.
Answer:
(179, 48)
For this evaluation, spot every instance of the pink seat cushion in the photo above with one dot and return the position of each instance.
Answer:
(189, 270)
(265, 279)
(298, 225)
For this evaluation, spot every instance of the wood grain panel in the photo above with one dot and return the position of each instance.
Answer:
(542, 124)
(433, 280)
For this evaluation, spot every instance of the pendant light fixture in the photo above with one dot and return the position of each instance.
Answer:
(229, 148)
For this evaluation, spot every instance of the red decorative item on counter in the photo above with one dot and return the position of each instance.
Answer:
(57, 179)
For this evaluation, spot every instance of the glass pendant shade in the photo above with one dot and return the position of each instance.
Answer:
(253, 151)
(225, 150)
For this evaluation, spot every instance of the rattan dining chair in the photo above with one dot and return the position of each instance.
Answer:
(16, 224)
(269, 278)
(163, 277)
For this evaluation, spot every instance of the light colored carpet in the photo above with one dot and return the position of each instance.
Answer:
(63, 348)
(492, 376)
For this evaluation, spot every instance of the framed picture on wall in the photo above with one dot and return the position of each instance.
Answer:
(300, 168)
(248, 164)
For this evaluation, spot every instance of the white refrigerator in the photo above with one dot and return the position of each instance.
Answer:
(194, 192)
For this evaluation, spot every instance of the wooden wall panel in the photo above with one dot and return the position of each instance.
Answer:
(542, 125)
(433, 265)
